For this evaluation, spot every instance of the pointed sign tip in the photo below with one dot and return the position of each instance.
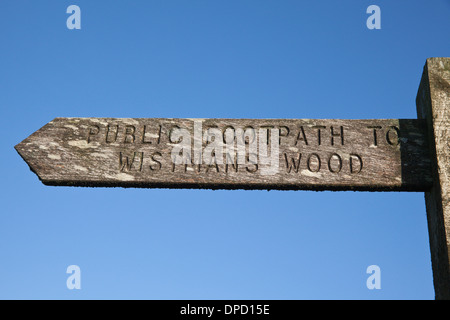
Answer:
(21, 150)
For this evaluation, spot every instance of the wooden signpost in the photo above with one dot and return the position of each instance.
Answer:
(284, 154)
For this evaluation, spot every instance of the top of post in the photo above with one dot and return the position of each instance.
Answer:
(436, 74)
(439, 67)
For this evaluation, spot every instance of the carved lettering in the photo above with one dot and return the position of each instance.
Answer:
(144, 130)
(392, 136)
(283, 131)
(156, 158)
(335, 163)
(356, 163)
(267, 128)
(252, 165)
(339, 134)
(301, 136)
(292, 164)
(375, 128)
(129, 134)
(313, 163)
(128, 163)
(115, 133)
(318, 133)
(231, 160)
(93, 130)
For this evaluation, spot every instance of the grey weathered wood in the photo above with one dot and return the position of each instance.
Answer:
(373, 155)
(433, 104)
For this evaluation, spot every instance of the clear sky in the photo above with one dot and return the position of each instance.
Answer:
(210, 59)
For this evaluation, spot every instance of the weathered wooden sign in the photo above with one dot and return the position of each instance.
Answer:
(373, 155)
(231, 153)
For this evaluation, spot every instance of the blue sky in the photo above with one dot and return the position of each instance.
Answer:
(210, 59)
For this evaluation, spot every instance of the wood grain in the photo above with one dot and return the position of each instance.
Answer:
(327, 154)
(433, 105)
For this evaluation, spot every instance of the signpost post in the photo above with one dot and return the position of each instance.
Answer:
(433, 105)
(284, 154)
